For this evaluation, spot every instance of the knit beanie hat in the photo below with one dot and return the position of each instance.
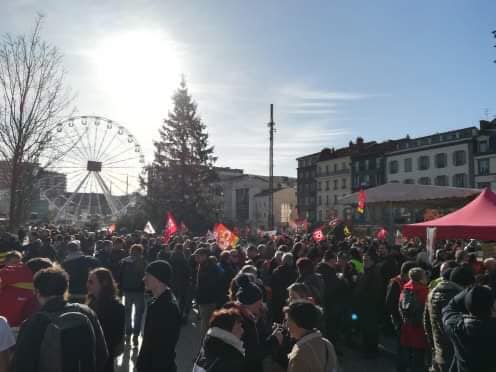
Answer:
(248, 292)
(161, 270)
(479, 301)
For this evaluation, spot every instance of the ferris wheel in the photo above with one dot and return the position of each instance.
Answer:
(91, 168)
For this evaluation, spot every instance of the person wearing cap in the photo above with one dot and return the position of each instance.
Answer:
(470, 325)
(250, 305)
(162, 322)
(208, 284)
(78, 266)
(454, 280)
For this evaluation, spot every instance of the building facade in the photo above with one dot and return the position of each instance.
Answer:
(307, 186)
(368, 167)
(284, 203)
(443, 159)
(238, 196)
(485, 155)
(333, 182)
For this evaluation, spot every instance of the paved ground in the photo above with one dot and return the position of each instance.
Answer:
(189, 345)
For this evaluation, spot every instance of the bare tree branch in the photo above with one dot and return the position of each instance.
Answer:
(32, 99)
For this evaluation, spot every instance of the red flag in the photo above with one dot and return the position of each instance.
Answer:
(170, 227)
(225, 237)
(362, 198)
(334, 222)
(382, 234)
(318, 235)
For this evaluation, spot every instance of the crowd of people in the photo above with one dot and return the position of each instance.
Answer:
(72, 300)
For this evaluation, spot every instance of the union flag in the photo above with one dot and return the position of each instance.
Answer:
(226, 239)
(318, 235)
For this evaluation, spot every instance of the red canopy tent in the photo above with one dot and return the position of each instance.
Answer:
(477, 220)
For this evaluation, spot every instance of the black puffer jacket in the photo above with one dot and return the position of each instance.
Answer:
(433, 323)
(219, 354)
(472, 338)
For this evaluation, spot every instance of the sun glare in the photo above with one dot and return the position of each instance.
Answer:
(137, 67)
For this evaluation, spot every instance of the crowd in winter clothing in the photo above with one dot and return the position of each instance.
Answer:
(283, 303)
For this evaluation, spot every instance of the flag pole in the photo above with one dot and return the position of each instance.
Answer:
(271, 169)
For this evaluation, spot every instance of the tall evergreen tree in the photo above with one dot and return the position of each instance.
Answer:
(181, 178)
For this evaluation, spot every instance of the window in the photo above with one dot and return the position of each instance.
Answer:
(320, 215)
(423, 162)
(378, 165)
(459, 157)
(482, 146)
(356, 181)
(409, 181)
(335, 199)
(327, 199)
(319, 172)
(362, 165)
(408, 165)
(372, 164)
(357, 166)
(424, 181)
(343, 166)
(319, 187)
(366, 164)
(343, 183)
(327, 169)
(327, 185)
(335, 168)
(441, 181)
(460, 180)
(335, 184)
(366, 179)
(441, 160)
(483, 167)
(393, 166)
(320, 200)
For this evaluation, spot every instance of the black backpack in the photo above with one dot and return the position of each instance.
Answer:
(68, 343)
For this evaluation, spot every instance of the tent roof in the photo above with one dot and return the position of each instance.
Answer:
(400, 193)
(477, 220)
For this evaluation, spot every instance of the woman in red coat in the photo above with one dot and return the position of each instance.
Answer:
(413, 340)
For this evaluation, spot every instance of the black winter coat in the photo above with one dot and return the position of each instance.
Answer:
(78, 268)
(472, 338)
(160, 336)
(131, 274)
(111, 317)
(281, 279)
(368, 296)
(218, 356)
(208, 280)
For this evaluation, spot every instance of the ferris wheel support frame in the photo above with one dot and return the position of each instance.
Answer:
(108, 196)
(57, 217)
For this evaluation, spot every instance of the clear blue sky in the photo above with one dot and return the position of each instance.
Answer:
(335, 69)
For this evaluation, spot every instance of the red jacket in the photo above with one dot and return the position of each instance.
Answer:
(17, 300)
(414, 335)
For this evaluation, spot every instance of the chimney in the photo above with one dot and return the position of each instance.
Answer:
(359, 141)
